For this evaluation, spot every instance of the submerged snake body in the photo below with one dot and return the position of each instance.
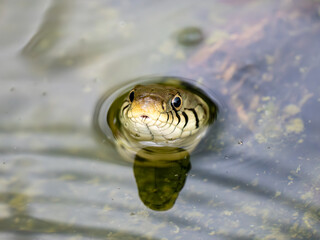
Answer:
(160, 115)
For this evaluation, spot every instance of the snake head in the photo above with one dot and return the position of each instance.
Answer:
(142, 112)
(161, 114)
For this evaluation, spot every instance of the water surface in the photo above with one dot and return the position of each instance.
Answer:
(258, 177)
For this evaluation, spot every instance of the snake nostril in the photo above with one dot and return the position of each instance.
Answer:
(144, 117)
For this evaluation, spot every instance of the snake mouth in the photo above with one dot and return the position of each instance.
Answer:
(144, 117)
(145, 120)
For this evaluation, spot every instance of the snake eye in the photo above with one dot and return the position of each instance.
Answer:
(177, 102)
(131, 96)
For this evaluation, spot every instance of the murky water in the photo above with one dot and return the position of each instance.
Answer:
(258, 177)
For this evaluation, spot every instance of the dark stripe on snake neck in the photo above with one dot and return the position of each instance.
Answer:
(196, 116)
(178, 116)
(125, 108)
(186, 119)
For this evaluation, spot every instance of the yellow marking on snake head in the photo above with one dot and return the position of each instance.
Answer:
(147, 108)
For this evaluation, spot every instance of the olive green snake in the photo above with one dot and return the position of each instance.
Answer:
(163, 114)
(156, 118)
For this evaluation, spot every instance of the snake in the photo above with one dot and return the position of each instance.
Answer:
(163, 115)
(156, 118)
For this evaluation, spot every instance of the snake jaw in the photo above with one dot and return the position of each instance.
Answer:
(147, 121)
(141, 116)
